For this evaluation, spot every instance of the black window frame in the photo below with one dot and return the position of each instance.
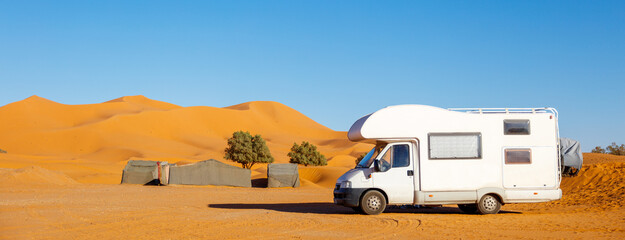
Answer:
(506, 128)
(529, 150)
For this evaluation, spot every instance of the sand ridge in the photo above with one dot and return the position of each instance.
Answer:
(33, 176)
(92, 142)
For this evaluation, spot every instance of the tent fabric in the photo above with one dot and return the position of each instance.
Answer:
(571, 153)
(139, 172)
(164, 180)
(210, 172)
(282, 175)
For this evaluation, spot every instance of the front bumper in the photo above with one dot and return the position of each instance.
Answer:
(349, 197)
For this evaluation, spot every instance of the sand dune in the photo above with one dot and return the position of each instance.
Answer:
(33, 176)
(601, 182)
(52, 146)
(92, 142)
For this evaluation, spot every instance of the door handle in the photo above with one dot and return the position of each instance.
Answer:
(410, 173)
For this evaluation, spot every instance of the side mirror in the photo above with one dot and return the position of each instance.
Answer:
(381, 165)
(384, 165)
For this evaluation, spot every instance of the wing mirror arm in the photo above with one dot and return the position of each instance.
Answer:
(376, 165)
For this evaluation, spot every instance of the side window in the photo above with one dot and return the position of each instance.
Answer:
(518, 156)
(398, 155)
(455, 145)
(516, 127)
(401, 155)
(388, 155)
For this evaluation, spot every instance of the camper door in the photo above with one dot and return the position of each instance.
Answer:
(397, 173)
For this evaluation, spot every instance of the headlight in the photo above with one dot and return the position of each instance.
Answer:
(346, 184)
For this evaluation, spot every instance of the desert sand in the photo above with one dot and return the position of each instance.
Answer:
(91, 143)
(59, 180)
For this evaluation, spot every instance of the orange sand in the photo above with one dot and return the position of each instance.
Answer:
(92, 143)
(56, 152)
(89, 211)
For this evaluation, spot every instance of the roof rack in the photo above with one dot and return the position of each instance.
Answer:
(506, 110)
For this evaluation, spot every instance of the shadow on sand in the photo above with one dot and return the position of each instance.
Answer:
(259, 183)
(330, 208)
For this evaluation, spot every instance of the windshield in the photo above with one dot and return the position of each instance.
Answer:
(368, 159)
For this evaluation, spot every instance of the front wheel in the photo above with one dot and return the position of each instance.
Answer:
(372, 203)
(489, 204)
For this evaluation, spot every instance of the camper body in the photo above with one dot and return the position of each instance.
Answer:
(479, 159)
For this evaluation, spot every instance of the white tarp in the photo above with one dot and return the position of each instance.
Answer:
(571, 153)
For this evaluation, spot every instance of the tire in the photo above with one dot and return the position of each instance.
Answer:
(489, 204)
(372, 203)
(468, 208)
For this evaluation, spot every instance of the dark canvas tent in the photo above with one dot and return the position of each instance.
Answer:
(139, 172)
(282, 175)
(210, 172)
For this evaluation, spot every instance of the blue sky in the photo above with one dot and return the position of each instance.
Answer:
(334, 61)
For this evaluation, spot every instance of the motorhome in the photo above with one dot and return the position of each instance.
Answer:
(477, 158)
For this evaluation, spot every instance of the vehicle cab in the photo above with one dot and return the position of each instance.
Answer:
(384, 176)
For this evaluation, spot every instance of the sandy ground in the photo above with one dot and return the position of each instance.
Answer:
(58, 180)
(175, 212)
(37, 203)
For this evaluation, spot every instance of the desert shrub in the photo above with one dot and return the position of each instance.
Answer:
(598, 149)
(2, 151)
(247, 150)
(306, 154)
(616, 149)
(612, 149)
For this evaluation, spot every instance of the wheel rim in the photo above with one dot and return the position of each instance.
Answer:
(373, 203)
(489, 203)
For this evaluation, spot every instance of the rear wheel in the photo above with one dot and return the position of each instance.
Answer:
(373, 203)
(489, 204)
(468, 208)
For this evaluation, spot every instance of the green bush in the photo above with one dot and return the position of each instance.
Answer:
(612, 149)
(598, 150)
(616, 149)
(306, 154)
(2, 151)
(247, 150)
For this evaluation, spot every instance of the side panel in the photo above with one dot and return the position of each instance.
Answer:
(540, 173)
(451, 197)
(527, 196)
(444, 175)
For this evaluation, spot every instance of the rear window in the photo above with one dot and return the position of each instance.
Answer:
(518, 156)
(516, 127)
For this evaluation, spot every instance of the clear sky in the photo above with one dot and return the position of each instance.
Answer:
(334, 61)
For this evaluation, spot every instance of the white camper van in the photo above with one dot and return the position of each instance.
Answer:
(477, 158)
